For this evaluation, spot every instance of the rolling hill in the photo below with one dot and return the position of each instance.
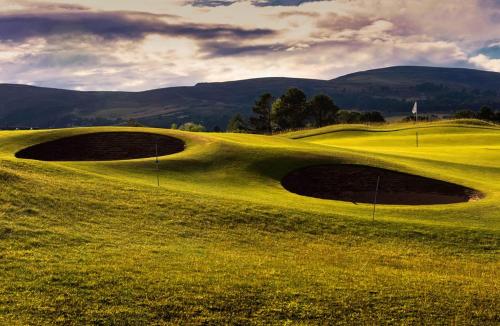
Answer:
(389, 90)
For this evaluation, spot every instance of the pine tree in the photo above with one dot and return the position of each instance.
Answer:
(262, 121)
(289, 110)
(237, 124)
(322, 109)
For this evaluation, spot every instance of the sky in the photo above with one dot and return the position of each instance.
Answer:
(135, 45)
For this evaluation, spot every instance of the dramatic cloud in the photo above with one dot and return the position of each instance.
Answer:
(41, 5)
(133, 45)
(265, 3)
(111, 25)
(258, 3)
(211, 3)
(222, 49)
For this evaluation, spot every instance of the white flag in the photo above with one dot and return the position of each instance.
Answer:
(414, 110)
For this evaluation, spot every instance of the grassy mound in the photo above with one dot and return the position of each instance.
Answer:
(221, 241)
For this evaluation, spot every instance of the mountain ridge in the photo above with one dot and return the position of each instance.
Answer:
(389, 90)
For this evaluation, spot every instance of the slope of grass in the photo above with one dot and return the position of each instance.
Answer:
(221, 241)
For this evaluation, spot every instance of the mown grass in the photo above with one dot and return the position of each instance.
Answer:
(222, 242)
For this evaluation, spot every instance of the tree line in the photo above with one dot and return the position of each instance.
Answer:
(485, 113)
(293, 110)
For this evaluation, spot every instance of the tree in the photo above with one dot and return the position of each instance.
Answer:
(191, 126)
(349, 117)
(277, 117)
(237, 124)
(373, 117)
(262, 121)
(465, 114)
(173, 126)
(322, 109)
(288, 112)
(486, 113)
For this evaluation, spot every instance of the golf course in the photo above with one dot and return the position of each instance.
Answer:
(234, 228)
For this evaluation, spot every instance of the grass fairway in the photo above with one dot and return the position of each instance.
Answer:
(221, 241)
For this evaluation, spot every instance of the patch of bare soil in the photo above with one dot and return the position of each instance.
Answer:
(104, 146)
(357, 183)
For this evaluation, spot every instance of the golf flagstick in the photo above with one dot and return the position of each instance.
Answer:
(157, 167)
(415, 111)
(375, 199)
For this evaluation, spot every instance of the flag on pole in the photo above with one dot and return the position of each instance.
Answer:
(414, 110)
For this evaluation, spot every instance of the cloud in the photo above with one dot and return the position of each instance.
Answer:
(491, 51)
(336, 22)
(134, 45)
(295, 13)
(490, 3)
(83, 66)
(43, 5)
(258, 3)
(20, 26)
(484, 62)
(284, 3)
(224, 49)
(211, 3)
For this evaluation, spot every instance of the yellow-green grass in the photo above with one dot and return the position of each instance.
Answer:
(220, 241)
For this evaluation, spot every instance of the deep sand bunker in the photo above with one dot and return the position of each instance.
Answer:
(357, 183)
(103, 146)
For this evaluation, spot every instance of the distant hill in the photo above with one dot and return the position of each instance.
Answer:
(389, 90)
(440, 90)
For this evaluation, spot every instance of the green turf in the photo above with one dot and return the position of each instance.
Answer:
(220, 241)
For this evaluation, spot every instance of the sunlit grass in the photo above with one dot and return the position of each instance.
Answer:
(221, 241)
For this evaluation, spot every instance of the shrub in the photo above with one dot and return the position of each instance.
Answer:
(191, 126)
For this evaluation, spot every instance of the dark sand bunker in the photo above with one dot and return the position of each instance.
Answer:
(357, 183)
(103, 146)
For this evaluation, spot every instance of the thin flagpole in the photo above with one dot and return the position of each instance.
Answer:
(415, 111)
(415, 108)
(375, 199)
(157, 167)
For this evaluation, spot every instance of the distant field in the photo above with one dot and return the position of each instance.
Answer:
(221, 241)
